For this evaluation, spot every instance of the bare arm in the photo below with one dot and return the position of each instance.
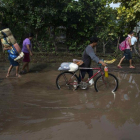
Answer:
(129, 41)
(6, 48)
(28, 48)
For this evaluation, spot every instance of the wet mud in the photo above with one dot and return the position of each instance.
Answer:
(32, 108)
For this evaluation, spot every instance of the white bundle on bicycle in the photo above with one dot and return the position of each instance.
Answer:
(68, 66)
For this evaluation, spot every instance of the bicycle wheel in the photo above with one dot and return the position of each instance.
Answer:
(106, 84)
(67, 80)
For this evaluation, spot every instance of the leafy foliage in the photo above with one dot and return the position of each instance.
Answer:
(79, 20)
(129, 9)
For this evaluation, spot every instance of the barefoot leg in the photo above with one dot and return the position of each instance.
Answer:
(121, 61)
(9, 70)
(17, 71)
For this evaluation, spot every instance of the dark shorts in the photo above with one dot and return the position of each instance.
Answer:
(128, 54)
(12, 62)
(26, 57)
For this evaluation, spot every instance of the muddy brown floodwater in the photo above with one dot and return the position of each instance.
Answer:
(32, 108)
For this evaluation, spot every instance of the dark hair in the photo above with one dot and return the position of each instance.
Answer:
(29, 35)
(93, 39)
(131, 32)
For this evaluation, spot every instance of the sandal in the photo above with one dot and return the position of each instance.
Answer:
(119, 67)
(132, 67)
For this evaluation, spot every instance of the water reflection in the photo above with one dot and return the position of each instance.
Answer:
(35, 104)
(129, 86)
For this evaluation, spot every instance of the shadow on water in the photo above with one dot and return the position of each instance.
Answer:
(33, 108)
(38, 67)
(42, 67)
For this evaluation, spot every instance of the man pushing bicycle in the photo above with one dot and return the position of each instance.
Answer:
(89, 55)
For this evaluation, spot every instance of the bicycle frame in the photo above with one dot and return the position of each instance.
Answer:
(99, 70)
(72, 79)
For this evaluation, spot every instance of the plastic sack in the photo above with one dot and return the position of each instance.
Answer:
(13, 52)
(12, 55)
(68, 66)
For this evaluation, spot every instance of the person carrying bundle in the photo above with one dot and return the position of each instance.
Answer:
(9, 43)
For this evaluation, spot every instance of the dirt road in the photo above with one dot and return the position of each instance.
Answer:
(32, 108)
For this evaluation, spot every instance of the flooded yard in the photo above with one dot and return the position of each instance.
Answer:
(32, 108)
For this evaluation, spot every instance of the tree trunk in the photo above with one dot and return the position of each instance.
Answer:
(118, 43)
(54, 41)
(38, 45)
(103, 48)
(67, 39)
(36, 36)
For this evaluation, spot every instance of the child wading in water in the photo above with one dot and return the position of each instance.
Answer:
(12, 64)
(11, 56)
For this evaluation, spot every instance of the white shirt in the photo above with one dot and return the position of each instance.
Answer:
(133, 40)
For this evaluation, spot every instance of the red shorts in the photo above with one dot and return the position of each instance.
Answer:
(26, 57)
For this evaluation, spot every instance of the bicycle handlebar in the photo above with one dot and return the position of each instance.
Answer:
(100, 65)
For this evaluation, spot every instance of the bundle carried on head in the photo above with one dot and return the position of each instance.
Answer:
(7, 34)
(8, 40)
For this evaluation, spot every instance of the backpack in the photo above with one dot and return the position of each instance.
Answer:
(123, 44)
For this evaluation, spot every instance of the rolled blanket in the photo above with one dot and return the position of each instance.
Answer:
(12, 39)
(21, 55)
(7, 31)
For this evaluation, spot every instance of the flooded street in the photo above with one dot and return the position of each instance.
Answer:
(32, 108)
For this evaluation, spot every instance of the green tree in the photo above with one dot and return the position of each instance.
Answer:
(108, 24)
(80, 19)
(129, 9)
(81, 22)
